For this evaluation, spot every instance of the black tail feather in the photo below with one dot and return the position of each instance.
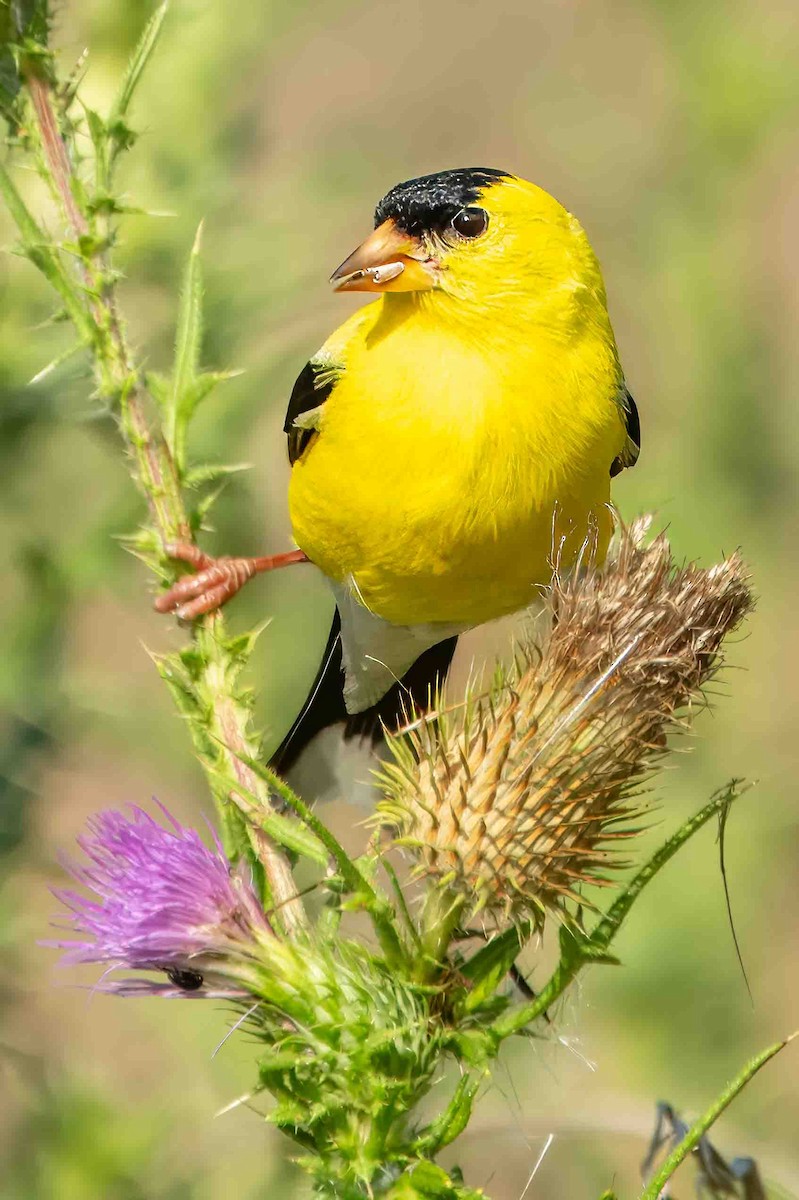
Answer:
(325, 703)
(323, 706)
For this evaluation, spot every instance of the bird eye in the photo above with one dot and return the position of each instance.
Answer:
(470, 222)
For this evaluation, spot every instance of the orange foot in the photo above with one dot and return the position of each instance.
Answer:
(215, 581)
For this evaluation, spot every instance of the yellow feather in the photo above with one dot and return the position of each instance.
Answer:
(468, 441)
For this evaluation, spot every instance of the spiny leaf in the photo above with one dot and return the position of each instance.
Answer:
(179, 684)
(98, 132)
(426, 1181)
(159, 387)
(489, 966)
(54, 364)
(285, 831)
(138, 62)
(452, 1122)
(204, 506)
(212, 472)
(37, 247)
(609, 925)
(188, 341)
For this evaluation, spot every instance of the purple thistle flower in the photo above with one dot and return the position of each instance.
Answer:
(163, 901)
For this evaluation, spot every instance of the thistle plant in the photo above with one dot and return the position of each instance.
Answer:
(510, 808)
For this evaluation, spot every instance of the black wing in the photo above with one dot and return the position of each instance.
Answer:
(629, 455)
(314, 384)
(325, 703)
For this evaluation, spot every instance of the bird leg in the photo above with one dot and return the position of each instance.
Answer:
(215, 580)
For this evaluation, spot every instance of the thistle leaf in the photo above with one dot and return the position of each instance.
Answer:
(204, 506)
(54, 364)
(610, 924)
(98, 132)
(578, 947)
(213, 472)
(489, 966)
(283, 830)
(452, 1122)
(38, 249)
(160, 388)
(185, 391)
(136, 67)
(427, 1181)
(293, 837)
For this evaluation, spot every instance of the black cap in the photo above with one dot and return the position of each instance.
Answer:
(430, 202)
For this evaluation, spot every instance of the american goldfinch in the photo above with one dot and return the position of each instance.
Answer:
(451, 444)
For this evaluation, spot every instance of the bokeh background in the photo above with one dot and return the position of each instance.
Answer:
(672, 130)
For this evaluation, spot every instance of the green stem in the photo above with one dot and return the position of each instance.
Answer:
(155, 473)
(700, 1127)
(354, 880)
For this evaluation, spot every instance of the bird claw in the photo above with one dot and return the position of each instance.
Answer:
(215, 581)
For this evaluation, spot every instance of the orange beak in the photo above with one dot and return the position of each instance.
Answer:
(388, 261)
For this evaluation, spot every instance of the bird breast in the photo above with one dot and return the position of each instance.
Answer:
(445, 480)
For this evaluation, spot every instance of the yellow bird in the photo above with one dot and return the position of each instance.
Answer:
(451, 444)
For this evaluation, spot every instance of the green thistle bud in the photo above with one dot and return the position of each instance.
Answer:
(350, 1049)
(514, 800)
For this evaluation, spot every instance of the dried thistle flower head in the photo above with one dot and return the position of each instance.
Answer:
(515, 799)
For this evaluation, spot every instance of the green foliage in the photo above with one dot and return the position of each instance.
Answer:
(426, 1181)
(179, 396)
(451, 1123)
(353, 881)
(37, 247)
(352, 1052)
(486, 970)
(137, 66)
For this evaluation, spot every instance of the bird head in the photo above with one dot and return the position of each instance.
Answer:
(478, 236)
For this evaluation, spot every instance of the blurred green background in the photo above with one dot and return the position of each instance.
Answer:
(671, 129)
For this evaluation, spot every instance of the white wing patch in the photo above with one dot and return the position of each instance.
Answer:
(310, 419)
(375, 653)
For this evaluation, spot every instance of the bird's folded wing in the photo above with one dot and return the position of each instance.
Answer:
(303, 416)
(632, 447)
(316, 381)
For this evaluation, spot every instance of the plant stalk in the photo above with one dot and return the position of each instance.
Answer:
(157, 478)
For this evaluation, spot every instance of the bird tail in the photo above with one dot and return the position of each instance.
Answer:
(325, 706)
